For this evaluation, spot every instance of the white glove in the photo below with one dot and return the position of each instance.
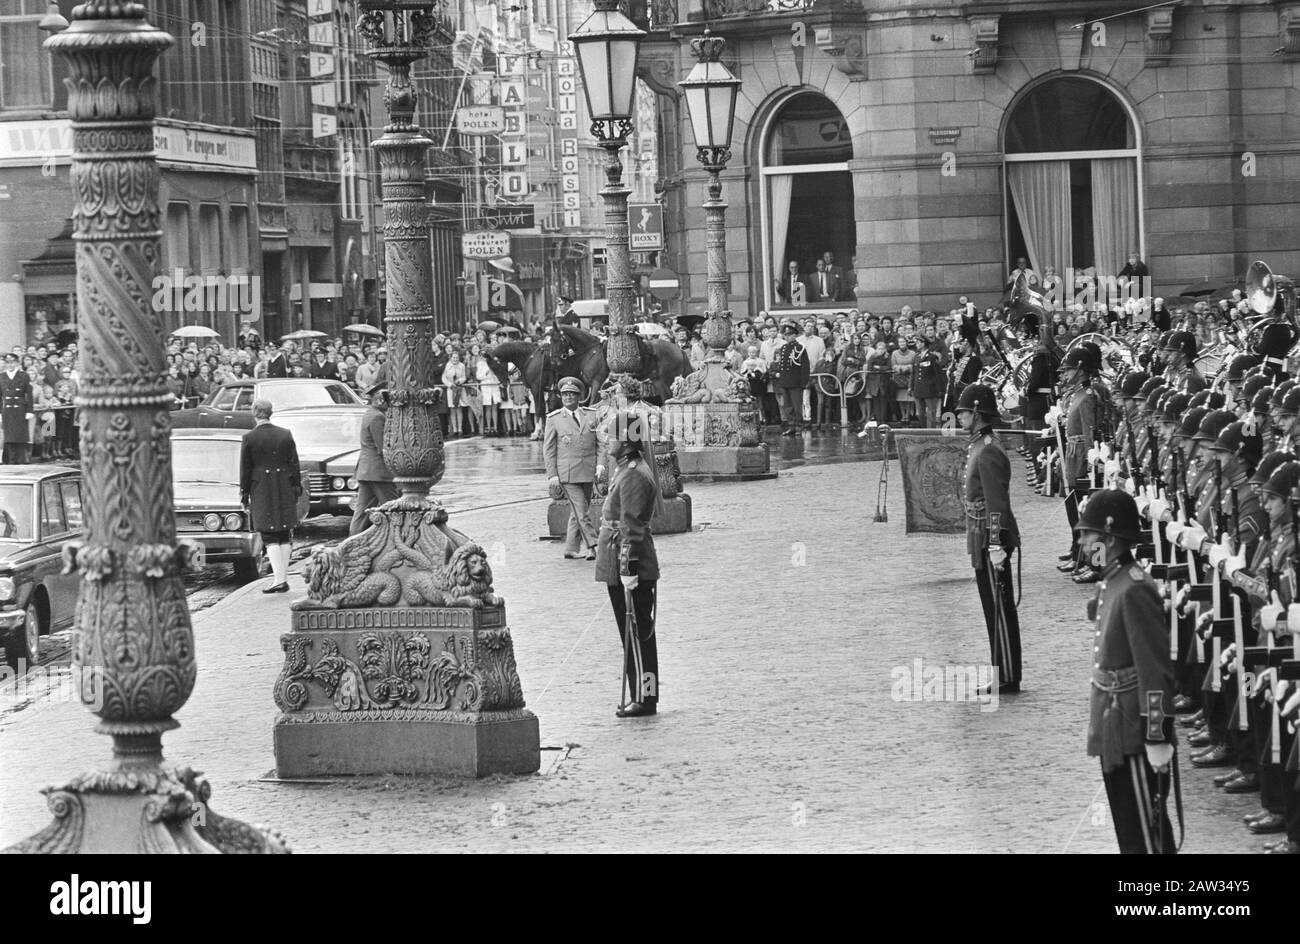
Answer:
(997, 556)
(1143, 502)
(1173, 529)
(630, 583)
(1218, 554)
(1233, 564)
(1159, 756)
(1158, 508)
(1293, 618)
(1181, 599)
(1192, 537)
(600, 471)
(1053, 416)
(1270, 613)
(1094, 456)
(1291, 705)
(1111, 467)
(1228, 656)
(1131, 486)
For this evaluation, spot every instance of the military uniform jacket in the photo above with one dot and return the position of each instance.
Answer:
(370, 462)
(626, 545)
(269, 477)
(570, 445)
(988, 498)
(15, 404)
(1131, 670)
(790, 369)
(1080, 429)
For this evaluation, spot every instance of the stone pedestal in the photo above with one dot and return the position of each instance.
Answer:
(719, 441)
(403, 690)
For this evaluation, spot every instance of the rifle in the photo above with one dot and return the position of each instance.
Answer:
(1155, 457)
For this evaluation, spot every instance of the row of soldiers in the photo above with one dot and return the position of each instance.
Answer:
(1202, 499)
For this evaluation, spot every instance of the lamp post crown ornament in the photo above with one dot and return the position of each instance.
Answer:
(708, 48)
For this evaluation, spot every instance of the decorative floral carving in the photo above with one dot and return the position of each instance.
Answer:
(394, 663)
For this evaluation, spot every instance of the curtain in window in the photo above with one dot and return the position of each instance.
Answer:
(1041, 191)
(782, 185)
(1114, 212)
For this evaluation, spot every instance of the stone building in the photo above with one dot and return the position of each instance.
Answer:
(927, 145)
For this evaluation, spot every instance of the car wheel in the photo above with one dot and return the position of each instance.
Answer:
(248, 569)
(23, 642)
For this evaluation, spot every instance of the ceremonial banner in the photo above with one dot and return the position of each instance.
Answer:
(934, 471)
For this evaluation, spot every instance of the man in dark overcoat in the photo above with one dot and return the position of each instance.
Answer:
(15, 411)
(270, 486)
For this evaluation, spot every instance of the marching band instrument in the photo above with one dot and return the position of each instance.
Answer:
(1117, 355)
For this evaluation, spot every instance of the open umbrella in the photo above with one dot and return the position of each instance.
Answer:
(304, 334)
(364, 329)
(195, 331)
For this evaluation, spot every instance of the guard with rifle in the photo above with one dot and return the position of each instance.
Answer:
(991, 531)
(1131, 720)
(1080, 407)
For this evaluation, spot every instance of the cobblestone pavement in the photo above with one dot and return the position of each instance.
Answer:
(781, 621)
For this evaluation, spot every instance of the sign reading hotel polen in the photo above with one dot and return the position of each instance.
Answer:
(485, 244)
(481, 119)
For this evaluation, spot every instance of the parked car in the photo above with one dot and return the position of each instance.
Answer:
(230, 406)
(40, 509)
(205, 482)
(329, 442)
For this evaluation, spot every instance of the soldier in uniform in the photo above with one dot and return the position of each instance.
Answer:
(1079, 404)
(571, 464)
(1131, 722)
(374, 480)
(991, 531)
(1180, 360)
(626, 561)
(15, 410)
(789, 372)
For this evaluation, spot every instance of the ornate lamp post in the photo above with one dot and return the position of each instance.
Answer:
(400, 659)
(713, 414)
(608, 44)
(134, 650)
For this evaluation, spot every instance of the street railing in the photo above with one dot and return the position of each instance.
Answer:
(840, 389)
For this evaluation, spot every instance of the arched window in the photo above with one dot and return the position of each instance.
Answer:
(807, 205)
(1073, 190)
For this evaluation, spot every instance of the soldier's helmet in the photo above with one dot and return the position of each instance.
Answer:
(1252, 385)
(1211, 399)
(1079, 358)
(1238, 366)
(1182, 342)
(1149, 385)
(1190, 421)
(1270, 464)
(1131, 388)
(1111, 511)
(1290, 403)
(1154, 399)
(977, 398)
(573, 385)
(1279, 394)
(1174, 408)
(1276, 340)
(1234, 441)
(1284, 479)
(1262, 401)
(1213, 424)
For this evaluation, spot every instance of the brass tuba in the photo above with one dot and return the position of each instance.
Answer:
(1117, 355)
(1263, 288)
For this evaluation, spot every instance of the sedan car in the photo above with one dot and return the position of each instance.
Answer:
(40, 509)
(230, 406)
(205, 482)
(329, 442)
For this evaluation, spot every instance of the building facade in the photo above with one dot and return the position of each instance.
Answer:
(927, 145)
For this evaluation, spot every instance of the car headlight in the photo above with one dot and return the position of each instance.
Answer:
(7, 588)
(233, 522)
(212, 522)
(339, 482)
(352, 484)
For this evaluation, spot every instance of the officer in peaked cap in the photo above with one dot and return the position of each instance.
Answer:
(991, 531)
(1131, 720)
(572, 469)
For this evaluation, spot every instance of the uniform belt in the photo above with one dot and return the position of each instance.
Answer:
(975, 510)
(1046, 390)
(1114, 681)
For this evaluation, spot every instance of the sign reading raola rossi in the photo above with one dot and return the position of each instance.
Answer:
(481, 119)
(484, 244)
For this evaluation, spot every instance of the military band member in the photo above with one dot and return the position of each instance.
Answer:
(626, 561)
(991, 531)
(1079, 404)
(571, 465)
(1131, 723)
(1180, 360)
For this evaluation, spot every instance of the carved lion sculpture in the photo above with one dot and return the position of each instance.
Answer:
(354, 573)
(467, 580)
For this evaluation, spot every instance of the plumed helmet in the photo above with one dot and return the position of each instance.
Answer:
(1275, 340)
(1131, 388)
(1270, 464)
(1190, 422)
(1175, 407)
(1262, 402)
(1213, 424)
(1252, 386)
(1284, 479)
(1238, 366)
(1111, 511)
(978, 398)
